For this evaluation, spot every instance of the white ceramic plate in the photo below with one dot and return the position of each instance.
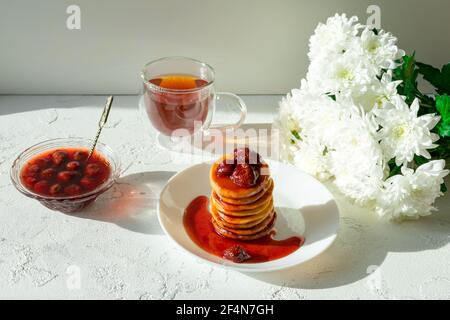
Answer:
(304, 208)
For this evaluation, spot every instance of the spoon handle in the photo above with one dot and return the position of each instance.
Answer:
(101, 123)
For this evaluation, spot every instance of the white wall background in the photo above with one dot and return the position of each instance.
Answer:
(256, 46)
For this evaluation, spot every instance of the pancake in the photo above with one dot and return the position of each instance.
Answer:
(227, 207)
(226, 188)
(223, 223)
(241, 214)
(257, 225)
(242, 220)
(233, 235)
(267, 188)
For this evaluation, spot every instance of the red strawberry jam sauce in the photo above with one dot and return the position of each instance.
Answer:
(64, 172)
(197, 222)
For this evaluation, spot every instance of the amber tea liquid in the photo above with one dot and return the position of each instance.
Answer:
(177, 105)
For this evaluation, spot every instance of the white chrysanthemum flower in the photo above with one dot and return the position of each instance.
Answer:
(346, 62)
(358, 176)
(412, 194)
(341, 75)
(286, 123)
(311, 111)
(312, 158)
(380, 49)
(330, 131)
(379, 93)
(403, 133)
(347, 121)
(333, 37)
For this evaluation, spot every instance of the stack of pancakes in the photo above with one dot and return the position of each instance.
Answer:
(242, 213)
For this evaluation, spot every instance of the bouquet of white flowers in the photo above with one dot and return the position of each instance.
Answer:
(359, 119)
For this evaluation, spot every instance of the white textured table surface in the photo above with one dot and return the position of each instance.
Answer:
(121, 252)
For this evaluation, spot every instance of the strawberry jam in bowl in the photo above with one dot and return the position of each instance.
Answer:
(59, 174)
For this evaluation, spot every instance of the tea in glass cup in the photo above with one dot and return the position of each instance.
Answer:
(179, 97)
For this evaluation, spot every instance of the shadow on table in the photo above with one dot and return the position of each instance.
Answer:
(131, 203)
(363, 242)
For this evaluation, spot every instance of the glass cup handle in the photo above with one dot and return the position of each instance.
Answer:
(237, 102)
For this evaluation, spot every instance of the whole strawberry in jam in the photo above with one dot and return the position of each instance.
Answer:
(66, 176)
(245, 175)
(88, 183)
(92, 169)
(48, 173)
(33, 170)
(80, 155)
(41, 186)
(59, 156)
(73, 165)
(73, 190)
(225, 168)
(55, 189)
(236, 254)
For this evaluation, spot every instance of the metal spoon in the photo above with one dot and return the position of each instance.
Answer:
(101, 123)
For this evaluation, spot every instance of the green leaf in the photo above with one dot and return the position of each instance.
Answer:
(443, 150)
(443, 108)
(296, 134)
(408, 73)
(443, 129)
(443, 188)
(440, 79)
(419, 160)
(393, 168)
(332, 96)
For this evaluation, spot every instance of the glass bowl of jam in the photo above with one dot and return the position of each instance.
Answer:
(58, 174)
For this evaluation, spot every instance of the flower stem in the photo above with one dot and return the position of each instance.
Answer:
(426, 105)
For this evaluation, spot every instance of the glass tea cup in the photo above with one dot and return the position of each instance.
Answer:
(179, 98)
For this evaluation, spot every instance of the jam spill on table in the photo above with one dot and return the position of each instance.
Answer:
(197, 222)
